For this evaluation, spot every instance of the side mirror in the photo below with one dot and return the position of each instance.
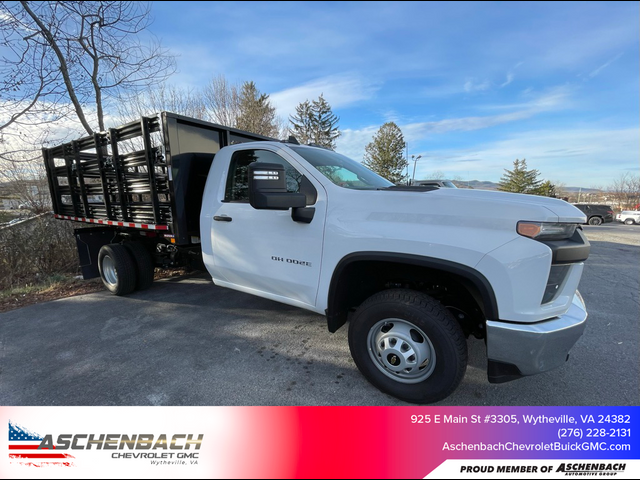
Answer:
(268, 188)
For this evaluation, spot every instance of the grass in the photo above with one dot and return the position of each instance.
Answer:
(47, 284)
(50, 288)
(6, 216)
(62, 286)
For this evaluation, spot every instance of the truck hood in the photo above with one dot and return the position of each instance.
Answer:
(565, 212)
(455, 224)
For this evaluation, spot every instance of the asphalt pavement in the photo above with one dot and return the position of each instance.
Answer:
(188, 342)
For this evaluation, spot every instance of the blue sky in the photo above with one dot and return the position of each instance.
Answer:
(473, 86)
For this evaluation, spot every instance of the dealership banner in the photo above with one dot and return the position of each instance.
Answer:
(320, 442)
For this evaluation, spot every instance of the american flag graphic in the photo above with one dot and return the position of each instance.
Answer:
(23, 449)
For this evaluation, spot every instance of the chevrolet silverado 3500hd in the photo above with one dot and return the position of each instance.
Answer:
(414, 270)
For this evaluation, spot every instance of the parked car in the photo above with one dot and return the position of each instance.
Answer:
(596, 214)
(628, 217)
(435, 183)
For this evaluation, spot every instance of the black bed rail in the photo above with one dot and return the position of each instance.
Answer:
(92, 178)
(149, 172)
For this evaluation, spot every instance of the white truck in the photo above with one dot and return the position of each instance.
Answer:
(628, 217)
(414, 270)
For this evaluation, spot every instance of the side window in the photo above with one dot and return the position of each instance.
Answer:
(238, 180)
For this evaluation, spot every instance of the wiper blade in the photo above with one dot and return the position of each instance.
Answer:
(410, 188)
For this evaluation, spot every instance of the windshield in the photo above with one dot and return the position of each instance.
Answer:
(341, 170)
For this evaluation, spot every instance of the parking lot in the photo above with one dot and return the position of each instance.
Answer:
(187, 342)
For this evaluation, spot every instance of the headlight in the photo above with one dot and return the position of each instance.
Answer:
(546, 231)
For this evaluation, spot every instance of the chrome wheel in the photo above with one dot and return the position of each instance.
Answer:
(401, 350)
(109, 271)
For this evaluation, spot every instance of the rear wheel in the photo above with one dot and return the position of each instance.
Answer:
(595, 221)
(629, 221)
(117, 269)
(408, 345)
(145, 266)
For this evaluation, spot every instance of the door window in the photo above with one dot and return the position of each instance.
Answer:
(238, 179)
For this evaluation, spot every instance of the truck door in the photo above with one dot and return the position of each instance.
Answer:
(265, 250)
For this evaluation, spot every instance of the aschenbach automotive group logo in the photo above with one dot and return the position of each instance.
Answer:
(31, 449)
(24, 448)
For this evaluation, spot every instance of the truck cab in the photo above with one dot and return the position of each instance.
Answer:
(508, 272)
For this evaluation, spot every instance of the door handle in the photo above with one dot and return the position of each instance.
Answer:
(222, 218)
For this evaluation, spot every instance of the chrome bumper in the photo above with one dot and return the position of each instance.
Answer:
(538, 347)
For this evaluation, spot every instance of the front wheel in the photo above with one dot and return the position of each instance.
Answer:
(629, 221)
(408, 345)
(595, 221)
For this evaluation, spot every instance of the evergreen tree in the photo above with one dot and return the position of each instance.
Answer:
(520, 179)
(302, 123)
(256, 114)
(315, 123)
(384, 155)
(547, 189)
(325, 124)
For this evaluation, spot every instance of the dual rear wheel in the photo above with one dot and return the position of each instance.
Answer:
(125, 267)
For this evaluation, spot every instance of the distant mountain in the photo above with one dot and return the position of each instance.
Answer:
(584, 190)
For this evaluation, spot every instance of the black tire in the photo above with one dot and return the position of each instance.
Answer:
(145, 266)
(629, 221)
(595, 221)
(444, 335)
(121, 262)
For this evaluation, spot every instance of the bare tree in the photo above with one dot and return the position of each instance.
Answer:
(222, 101)
(26, 74)
(26, 182)
(74, 57)
(165, 97)
(625, 191)
(64, 65)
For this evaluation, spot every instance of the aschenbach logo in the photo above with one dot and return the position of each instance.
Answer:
(28, 448)
(24, 449)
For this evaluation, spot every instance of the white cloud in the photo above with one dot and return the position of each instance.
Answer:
(605, 65)
(577, 157)
(508, 80)
(339, 90)
(352, 142)
(471, 86)
(551, 99)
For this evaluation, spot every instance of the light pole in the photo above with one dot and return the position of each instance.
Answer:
(407, 157)
(415, 160)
